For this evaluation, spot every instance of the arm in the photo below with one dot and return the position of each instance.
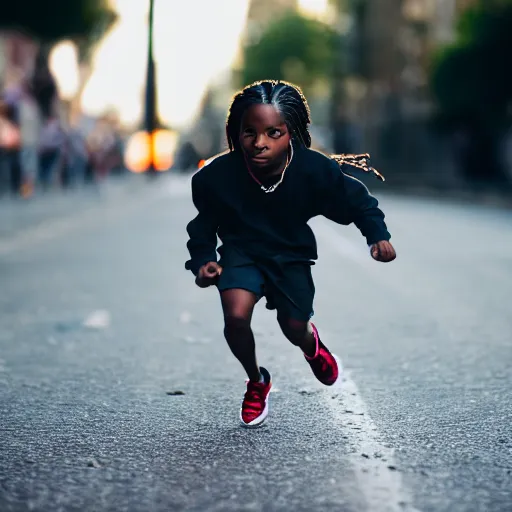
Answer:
(202, 230)
(346, 200)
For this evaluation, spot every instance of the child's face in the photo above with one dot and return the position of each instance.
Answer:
(264, 136)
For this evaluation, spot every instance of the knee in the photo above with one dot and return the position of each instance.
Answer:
(236, 321)
(294, 330)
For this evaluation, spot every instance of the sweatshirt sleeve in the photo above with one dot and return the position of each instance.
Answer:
(347, 200)
(202, 230)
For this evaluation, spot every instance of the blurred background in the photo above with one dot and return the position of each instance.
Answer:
(92, 89)
(117, 391)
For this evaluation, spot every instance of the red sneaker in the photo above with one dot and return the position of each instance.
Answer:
(255, 405)
(325, 365)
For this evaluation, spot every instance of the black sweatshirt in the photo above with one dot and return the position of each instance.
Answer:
(270, 229)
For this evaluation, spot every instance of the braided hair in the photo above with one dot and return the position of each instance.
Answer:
(286, 98)
(360, 162)
(289, 100)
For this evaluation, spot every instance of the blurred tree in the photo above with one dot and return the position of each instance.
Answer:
(293, 48)
(51, 20)
(471, 80)
(48, 21)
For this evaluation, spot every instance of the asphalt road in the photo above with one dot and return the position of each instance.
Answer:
(100, 326)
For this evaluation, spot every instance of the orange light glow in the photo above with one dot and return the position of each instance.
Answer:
(201, 163)
(141, 150)
(165, 145)
(136, 156)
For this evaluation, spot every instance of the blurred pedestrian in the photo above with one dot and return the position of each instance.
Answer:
(258, 198)
(77, 157)
(102, 144)
(51, 148)
(30, 123)
(10, 142)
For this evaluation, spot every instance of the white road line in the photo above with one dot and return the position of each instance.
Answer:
(377, 473)
(373, 462)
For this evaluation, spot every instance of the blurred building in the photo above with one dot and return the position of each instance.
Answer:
(206, 136)
(262, 12)
(387, 91)
(394, 42)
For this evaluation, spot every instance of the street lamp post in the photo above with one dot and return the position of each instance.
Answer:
(150, 120)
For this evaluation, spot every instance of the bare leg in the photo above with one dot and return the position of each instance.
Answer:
(238, 306)
(300, 333)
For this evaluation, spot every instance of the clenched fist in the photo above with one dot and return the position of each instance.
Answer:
(208, 274)
(383, 251)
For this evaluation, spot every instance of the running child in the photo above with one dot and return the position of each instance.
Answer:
(257, 198)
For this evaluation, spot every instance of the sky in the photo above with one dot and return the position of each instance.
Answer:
(317, 8)
(195, 41)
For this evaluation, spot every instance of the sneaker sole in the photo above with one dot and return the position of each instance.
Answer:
(257, 422)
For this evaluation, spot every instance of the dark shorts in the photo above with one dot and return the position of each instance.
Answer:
(292, 295)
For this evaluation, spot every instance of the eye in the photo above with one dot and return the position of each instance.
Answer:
(248, 132)
(275, 133)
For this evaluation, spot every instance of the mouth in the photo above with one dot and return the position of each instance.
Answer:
(259, 158)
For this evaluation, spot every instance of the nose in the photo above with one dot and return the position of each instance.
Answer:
(260, 142)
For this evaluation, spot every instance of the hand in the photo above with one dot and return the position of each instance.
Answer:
(383, 251)
(208, 274)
